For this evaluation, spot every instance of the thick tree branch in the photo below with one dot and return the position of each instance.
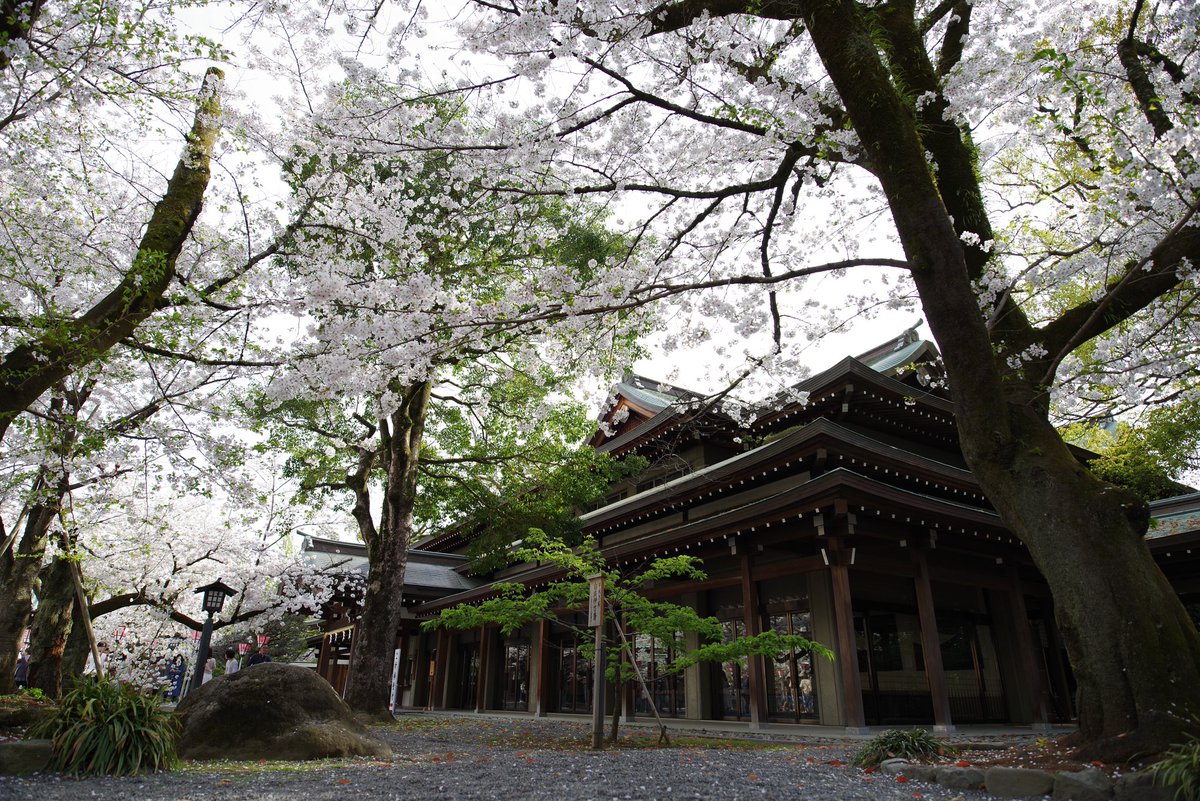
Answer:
(17, 18)
(33, 367)
(1141, 284)
(674, 16)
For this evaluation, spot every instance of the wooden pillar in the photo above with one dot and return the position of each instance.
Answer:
(1038, 692)
(349, 660)
(323, 659)
(754, 667)
(847, 652)
(401, 667)
(437, 694)
(931, 645)
(544, 654)
(420, 676)
(483, 678)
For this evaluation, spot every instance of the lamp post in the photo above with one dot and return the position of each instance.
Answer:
(214, 598)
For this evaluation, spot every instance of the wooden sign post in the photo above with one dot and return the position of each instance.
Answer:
(596, 623)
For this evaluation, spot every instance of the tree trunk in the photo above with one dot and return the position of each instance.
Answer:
(19, 570)
(369, 680)
(76, 652)
(1134, 649)
(51, 627)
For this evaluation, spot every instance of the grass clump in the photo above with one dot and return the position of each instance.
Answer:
(1180, 768)
(103, 728)
(899, 744)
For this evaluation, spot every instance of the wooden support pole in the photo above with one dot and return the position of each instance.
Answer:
(1039, 701)
(847, 653)
(545, 653)
(483, 676)
(437, 693)
(931, 645)
(754, 668)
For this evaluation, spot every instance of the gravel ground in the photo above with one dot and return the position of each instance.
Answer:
(538, 760)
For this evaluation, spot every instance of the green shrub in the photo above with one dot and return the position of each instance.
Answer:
(101, 727)
(899, 744)
(1180, 768)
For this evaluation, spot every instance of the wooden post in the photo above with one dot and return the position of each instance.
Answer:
(754, 664)
(847, 652)
(596, 622)
(437, 693)
(1038, 692)
(542, 707)
(85, 616)
(931, 645)
(483, 675)
(323, 659)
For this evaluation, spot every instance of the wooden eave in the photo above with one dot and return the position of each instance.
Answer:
(795, 507)
(798, 450)
(830, 387)
(659, 425)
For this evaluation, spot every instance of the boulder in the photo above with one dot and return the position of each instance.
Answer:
(272, 711)
(22, 711)
(21, 757)
(1141, 786)
(960, 778)
(1018, 782)
(921, 773)
(1084, 785)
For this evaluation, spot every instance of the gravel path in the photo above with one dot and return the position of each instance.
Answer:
(465, 758)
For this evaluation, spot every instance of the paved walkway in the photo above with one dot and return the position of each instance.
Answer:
(463, 757)
(773, 732)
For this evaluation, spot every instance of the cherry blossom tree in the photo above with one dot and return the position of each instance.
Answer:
(142, 558)
(417, 281)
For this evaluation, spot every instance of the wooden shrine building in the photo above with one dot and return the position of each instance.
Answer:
(846, 514)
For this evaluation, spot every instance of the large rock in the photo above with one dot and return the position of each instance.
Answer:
(1141, 786)
(960, 778)
(22, 711)
(1018, 782)
(19, 757)
(272, 711)
(1084, 785)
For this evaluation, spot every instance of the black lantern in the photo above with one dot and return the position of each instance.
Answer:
(214, 598)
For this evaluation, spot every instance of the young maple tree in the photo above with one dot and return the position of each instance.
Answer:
(627, 613)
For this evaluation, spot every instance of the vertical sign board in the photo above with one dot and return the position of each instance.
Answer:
(595, 601)
(394, 690)
(596, 623)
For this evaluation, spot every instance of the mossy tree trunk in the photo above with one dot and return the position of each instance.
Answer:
(19, 568)
(51, 627)
(368, 683)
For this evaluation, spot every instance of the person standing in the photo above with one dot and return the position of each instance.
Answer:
(175, 673)
(22, 676)
(210, 665)
(231, 662)
(259, 658)
(89, 669)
